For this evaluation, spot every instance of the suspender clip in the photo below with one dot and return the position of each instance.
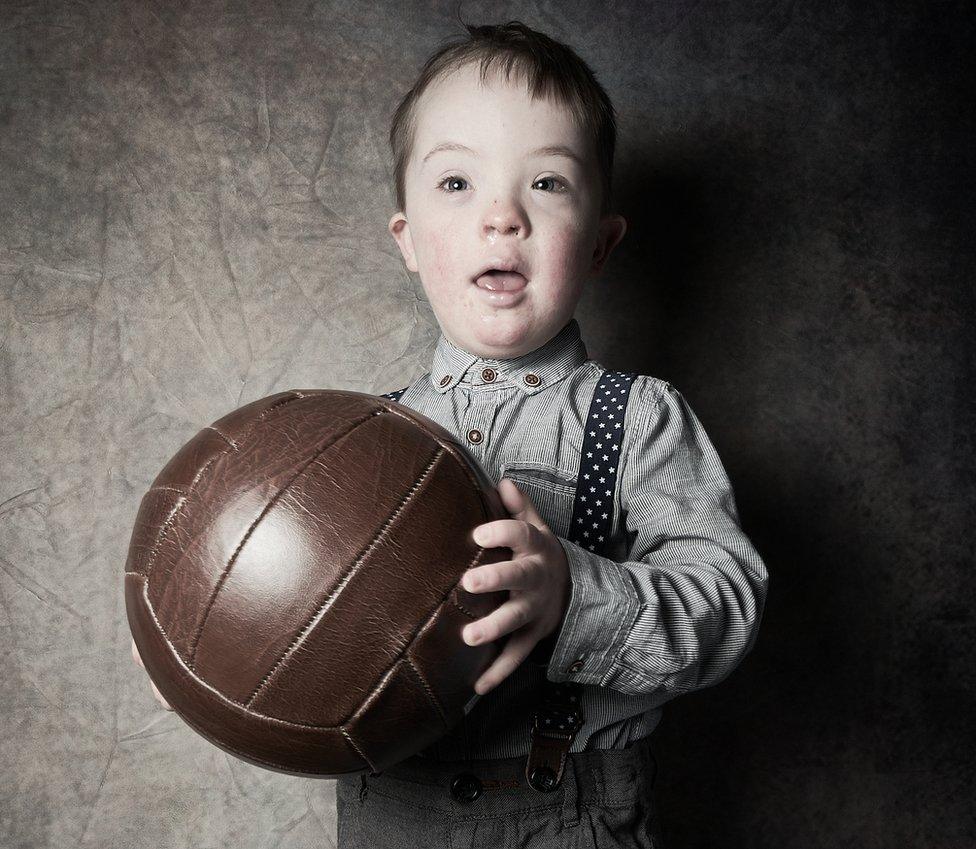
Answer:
(554, 727)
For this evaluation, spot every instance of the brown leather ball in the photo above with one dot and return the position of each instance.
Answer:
(292, 582)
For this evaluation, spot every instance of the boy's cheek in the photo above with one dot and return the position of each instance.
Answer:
(437, 249)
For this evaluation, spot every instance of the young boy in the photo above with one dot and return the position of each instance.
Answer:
(631, 581)
(503, 181)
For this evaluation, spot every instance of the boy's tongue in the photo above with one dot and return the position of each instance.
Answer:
(501, 281)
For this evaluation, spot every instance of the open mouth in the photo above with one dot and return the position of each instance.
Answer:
(501, 281)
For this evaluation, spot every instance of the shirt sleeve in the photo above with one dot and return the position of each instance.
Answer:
(683, 610)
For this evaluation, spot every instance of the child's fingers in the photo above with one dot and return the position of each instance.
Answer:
(517, 648)
(159, 696)
(518, 504)
(516, 534)
(518, 574)
(507, 618)
(135, 654)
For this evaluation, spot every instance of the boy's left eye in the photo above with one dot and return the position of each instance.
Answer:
(552, 180)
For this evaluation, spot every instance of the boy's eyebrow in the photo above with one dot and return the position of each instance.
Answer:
(548, 150)
(558, 150)
(449, 146)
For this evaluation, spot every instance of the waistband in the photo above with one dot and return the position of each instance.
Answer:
(601, 777)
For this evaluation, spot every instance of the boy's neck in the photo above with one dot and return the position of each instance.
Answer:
(491, 358)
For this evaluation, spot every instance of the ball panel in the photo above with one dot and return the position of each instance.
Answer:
(398, 585)
(295, 556)
(187, 464)
(263, 741)
(193, 554)
(157, 509)
(400, 701)
(227, 502)
(237, 423)
(448, 664)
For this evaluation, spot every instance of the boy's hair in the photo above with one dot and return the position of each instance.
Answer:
(551, 69)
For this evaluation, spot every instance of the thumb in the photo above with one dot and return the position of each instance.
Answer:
(518, 504)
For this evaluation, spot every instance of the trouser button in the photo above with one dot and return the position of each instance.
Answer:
(465, 787)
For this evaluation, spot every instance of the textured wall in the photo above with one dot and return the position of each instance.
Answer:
(193, 216)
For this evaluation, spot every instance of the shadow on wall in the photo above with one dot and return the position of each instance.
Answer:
(733, 757)
(691, 225)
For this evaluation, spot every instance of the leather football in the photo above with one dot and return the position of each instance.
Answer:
(293, 582)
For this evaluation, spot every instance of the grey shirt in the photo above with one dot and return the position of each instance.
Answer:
(676, 604)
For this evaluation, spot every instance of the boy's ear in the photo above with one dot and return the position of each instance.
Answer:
(400, 230)
(611, 231)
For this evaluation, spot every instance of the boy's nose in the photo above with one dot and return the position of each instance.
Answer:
(513, 228)
(504, 219)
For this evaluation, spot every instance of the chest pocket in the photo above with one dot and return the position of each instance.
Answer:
(551, 490)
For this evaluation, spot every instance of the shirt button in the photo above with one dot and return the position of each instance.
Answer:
(465, 787)
(576, 666)
(475, 435)
(532, 379)
(488, 375)
(446, 379)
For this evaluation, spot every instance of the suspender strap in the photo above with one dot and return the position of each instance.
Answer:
(559, 712)
(559, 715)
(395, 395)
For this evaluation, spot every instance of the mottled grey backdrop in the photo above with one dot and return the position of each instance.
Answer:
(193, 216)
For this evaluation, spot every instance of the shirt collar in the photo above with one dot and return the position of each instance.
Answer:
(532, 372)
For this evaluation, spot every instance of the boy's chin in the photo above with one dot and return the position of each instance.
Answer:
(502, 341)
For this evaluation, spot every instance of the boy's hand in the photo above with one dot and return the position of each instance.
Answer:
(138, 659)
(537, 577)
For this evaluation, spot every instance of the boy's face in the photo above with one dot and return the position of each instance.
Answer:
(504, 203)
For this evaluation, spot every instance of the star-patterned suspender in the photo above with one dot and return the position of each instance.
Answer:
(395, 395)
(559, 715)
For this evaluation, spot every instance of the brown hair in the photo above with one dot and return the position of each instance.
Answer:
(551, 69)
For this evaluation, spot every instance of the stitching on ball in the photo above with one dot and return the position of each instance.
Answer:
(461, 607)
(223, 436)
(151, 559)
(359, 751)
(164, 488)
(379, 535)
(186, 672)
(427, 688)
(247, 535)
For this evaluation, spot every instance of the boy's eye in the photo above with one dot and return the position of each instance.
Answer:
(553, 180)
(450, 180)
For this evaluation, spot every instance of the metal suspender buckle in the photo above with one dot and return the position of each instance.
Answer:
(554, 727)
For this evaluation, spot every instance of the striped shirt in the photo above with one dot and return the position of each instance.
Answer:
(676, 604)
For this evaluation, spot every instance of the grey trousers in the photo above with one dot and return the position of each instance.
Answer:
(604, 800)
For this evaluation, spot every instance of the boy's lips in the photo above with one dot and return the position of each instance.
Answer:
(501, 281)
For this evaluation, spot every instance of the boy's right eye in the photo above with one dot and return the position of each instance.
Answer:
(450, 180)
